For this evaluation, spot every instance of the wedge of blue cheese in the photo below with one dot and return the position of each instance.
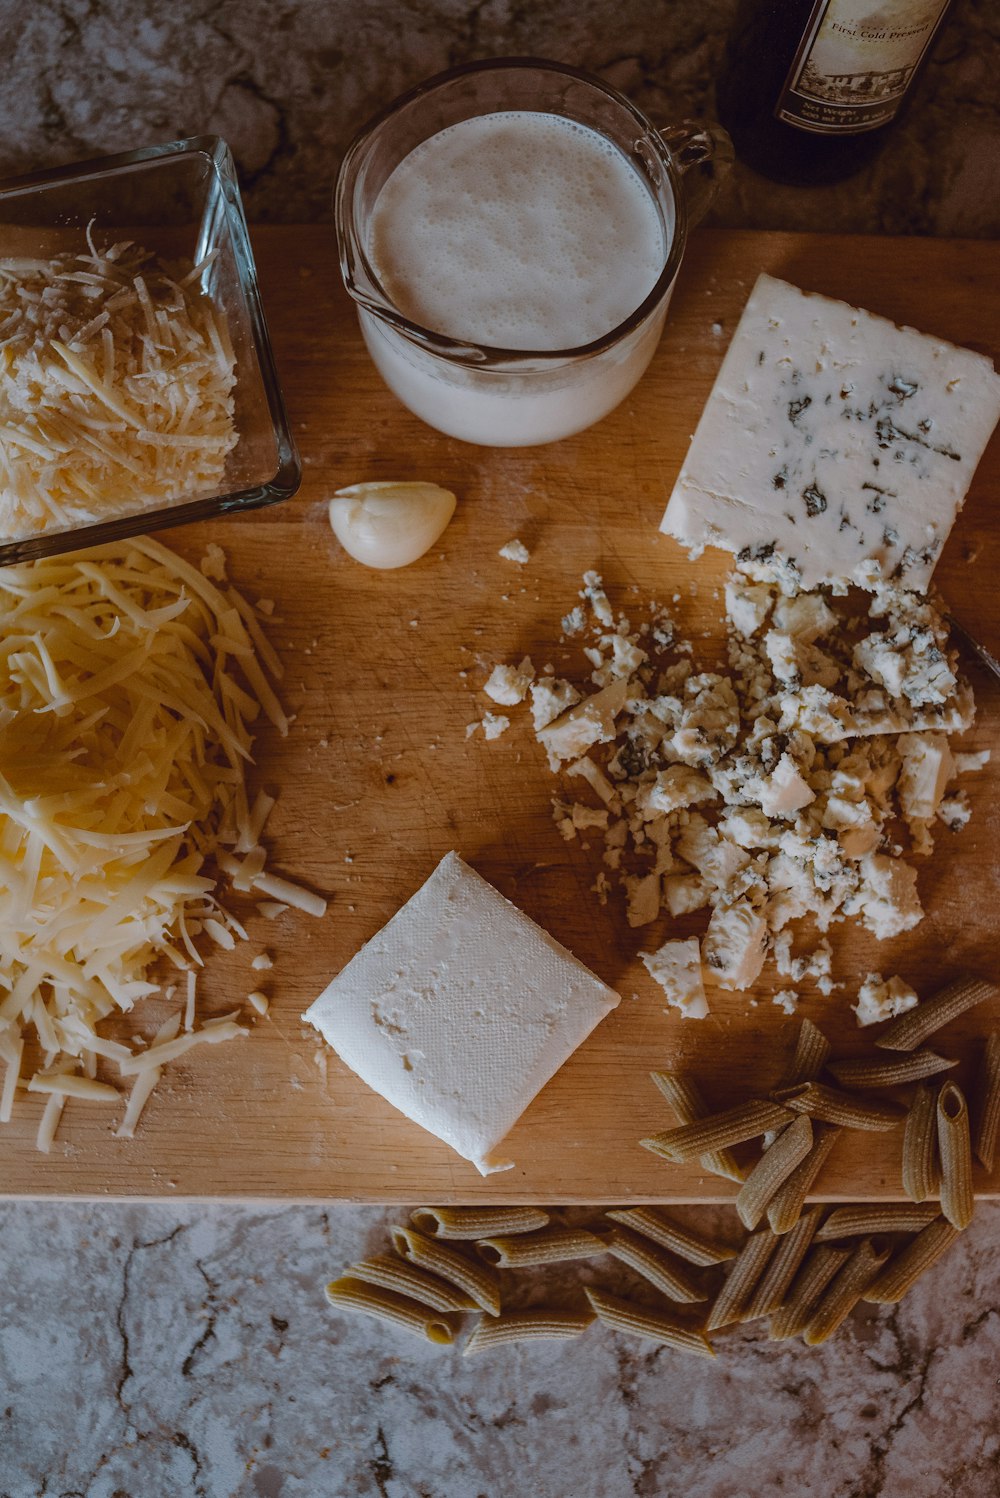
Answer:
(834, 445)
(460, 1010)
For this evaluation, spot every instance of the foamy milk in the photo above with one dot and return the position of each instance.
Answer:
(523, 231)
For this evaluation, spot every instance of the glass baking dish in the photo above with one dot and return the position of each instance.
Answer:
(179, 201)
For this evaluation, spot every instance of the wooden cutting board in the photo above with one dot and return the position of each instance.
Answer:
(377, 778)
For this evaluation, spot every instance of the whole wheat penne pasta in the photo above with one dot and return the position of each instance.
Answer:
(841, 1108)
(694, 1247)
(912, 1028)
(812, 1050)
(792, 1316)
(476, 1279)
(846, 1289)
(955, 1151)
(655, 1265)
(785, 1206)
(718, 1130)
(920, 1157)
(877, 1217)
(732, 1300)
(526, 1326)
(477, 1222)
(372, 1300)
(407, 1279)
(988, 1101)
(783, 1267)
(686, 1098)
(773, 1169)
(875, 1072)
(549, 1246)
(639, 1321)
(909, 1264)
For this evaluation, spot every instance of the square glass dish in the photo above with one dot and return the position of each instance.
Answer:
(96, 414)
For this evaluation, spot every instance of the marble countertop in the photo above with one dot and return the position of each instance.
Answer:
(160, 1351)
(166, 1351)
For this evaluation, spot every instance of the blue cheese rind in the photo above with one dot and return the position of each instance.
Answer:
(460, 1010)
(834, 445)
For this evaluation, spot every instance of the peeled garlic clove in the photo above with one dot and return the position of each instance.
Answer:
(390, 524)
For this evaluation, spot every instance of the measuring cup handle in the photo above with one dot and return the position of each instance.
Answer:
(703, 154)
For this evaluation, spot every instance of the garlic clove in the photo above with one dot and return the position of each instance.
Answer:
(390, 524)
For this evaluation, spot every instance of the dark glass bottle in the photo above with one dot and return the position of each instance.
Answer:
(810, 88)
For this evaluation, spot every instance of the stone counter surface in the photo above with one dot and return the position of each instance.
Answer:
(162, 1351)
(167, 1351)
(288, 84)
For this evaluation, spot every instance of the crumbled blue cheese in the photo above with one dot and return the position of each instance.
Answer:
(880, 999)
(735, 945)
(676, 966)
(760, 794)
(834, 445)
(515, 551)
(508, 685)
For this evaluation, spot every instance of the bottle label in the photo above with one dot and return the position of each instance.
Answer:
(855, 62)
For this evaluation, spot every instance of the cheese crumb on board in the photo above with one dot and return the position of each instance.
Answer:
(116, 388)
(880, 999)
(772, 793)
(676, 966)
(130, 683)
(460, 1010)
(515, 551)
(834, 445)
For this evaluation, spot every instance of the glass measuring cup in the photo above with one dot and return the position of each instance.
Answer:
(518, 397)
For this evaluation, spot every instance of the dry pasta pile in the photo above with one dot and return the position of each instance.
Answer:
(128, 684)
(805, 1270)
(116, 388)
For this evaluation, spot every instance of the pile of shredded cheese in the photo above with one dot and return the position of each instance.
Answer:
(116, 381)
(128, 684)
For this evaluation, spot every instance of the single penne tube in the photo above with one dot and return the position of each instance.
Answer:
(830, 1105)
(784, 1265)
(552, 1245)
(655, 1265)
(476, 1279)
(718, 1130)
(526, 1326)
(685, 1097)
(812, 1050)
(988, 1102)
(785, 1207)
(372, 1300)
(920, 1157)
(878, 1217)
(773, 1169)
(640, 1321)
(955, 1152)
(868, 1072)
(694, 1247)
(477, 1222)
(397, 1274)
(846, 1289)
(733, 1299)
(909, 1264)
(912, 1028)
(792, 1316)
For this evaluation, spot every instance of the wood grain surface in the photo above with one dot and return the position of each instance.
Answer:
(377, 779)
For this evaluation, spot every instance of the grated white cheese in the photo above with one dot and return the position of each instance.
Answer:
(127, 690)
(116, 389)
